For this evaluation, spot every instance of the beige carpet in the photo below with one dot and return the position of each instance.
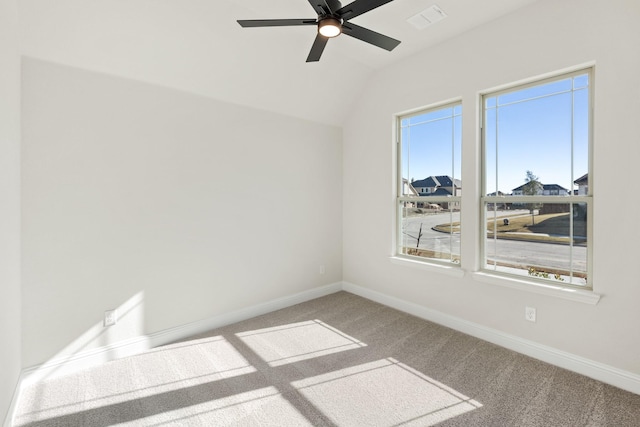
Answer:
(340, 360)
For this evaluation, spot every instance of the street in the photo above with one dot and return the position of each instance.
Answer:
(502, 251)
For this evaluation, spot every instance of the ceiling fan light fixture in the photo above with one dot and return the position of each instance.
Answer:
(330, 27)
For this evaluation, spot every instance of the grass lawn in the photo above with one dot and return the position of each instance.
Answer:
(548, 227)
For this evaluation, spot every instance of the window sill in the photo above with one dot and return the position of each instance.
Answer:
(450, 270)
(578, 295)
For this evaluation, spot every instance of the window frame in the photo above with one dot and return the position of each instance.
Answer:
(571, 199)
(398, 256)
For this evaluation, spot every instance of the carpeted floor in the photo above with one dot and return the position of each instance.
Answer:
(340, 360)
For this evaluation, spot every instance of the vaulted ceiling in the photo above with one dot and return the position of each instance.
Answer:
(197, 46)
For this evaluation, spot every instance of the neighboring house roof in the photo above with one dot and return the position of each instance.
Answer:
(437, 181)
(427, 182)
(444, 181)
(544, 187)
(553, 187)
(583, 180)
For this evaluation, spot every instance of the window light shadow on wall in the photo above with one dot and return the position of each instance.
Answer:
(99, 343)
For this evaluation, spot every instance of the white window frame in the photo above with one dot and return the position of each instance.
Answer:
(398, 257)
(486, 274)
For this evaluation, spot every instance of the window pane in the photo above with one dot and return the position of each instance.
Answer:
(430, 230)
(544, 129)
(536, 240)
(456, 160)
(581, 81)
(432, 115)
(491, 154)
(580, 240)
(430, 162)
(534, 136)
(581, 135)
(431, 146)
(559, 86)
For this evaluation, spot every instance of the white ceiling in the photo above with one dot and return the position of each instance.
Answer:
(197, 46)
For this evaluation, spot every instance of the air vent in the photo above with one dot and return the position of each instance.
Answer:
(427, 17)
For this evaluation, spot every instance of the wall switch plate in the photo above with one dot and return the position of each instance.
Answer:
(530, 314)
(110, 317)
(322, 270)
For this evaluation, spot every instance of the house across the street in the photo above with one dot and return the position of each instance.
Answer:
(441, 185)
(546, 190)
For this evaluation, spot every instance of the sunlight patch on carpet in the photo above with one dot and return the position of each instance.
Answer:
(294, 342)
(181, 366)
(261, 407)
(383, 393)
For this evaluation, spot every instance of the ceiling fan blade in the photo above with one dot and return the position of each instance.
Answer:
(369, 36)
(359, 7)
(275, 22)
(318, 47)
(319, 6)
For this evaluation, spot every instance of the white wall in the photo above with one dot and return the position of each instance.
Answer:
(177, 206)
(547, 36)
(10, 363)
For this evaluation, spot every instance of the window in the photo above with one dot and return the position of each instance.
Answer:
(429, 184)
(536, 200)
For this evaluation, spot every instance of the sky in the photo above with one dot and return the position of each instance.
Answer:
(432, 144)
(543, 129)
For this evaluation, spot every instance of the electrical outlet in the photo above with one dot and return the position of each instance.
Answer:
(322, 270)
(530, 314)
(110, 318)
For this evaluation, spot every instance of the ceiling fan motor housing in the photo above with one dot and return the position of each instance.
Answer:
(333, 4)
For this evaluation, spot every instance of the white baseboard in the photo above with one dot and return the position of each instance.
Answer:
(607, 374)
(185, 331)
(94, 357)
(599, 371)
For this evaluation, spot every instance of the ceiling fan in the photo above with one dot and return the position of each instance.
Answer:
(333, 20)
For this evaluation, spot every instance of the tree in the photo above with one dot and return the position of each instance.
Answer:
(532, 187)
